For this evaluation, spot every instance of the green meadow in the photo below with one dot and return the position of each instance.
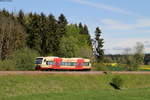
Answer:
(73, 87)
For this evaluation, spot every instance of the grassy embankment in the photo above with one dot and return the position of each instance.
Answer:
(73, 87)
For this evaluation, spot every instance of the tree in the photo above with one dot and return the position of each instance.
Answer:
(34, 39)
(44, 34)
(60, 32)
(21, 18)
(81, 28)
(62, 23)
(62, 20)
(48, 34)
(75, 44)
(86, 32)
(50, 31)
(72, 30)
(5, 13)
(85, 52)
(98, 44)
(68, 47)
(147, 59)
(139, 53)
(135, 59)
(12, 36)
(128, 58)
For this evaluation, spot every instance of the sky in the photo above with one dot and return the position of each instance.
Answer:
(123, 22)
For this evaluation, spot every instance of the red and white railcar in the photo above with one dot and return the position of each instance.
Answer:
(57, 63)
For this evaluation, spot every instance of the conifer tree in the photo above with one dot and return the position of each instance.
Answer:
(5, 13)
(60, 32)
(86, 32)
(42, 30)
(34, 38)
(62, 20)
(99, 53)
(81, 28)
(62, 23)
(48, 32)
(21, 18)
(52, 27)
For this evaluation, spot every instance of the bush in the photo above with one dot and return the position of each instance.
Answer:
(117, 82)
(99, 67)
(7, 65)
(23, 59)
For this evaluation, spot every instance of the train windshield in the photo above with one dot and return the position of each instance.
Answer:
(38, 61)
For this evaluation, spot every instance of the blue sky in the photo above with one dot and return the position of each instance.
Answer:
(123, 22)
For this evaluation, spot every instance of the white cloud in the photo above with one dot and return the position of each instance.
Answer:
(115, 24)
(104, 6)
(143, 23)
(118, 46)
(111, 24)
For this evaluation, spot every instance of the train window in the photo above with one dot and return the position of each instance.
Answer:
(62, 63)
(73, 64)
(49, 62)
(68, 63)
(57, 64)
(80, 64)
(38, 61)
(86, 63)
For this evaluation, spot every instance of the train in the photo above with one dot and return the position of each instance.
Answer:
(58, 63)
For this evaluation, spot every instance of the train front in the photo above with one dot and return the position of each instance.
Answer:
(38, 63)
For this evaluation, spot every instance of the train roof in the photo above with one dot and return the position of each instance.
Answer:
(64, 59)
(49, 57)
(75, 59)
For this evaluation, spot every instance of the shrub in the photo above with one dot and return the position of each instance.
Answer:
(117, 82)
(99, 67)
(7, 65)
(23, 59)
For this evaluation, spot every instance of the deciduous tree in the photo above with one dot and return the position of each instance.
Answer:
(12, 36)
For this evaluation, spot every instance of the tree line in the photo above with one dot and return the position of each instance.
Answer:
(47, 35)
(133, 57)
(120, 58)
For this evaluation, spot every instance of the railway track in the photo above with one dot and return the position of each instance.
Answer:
(72, 72)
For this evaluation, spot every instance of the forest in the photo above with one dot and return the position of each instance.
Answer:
(24, 36)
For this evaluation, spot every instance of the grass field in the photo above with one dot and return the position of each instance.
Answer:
(73, 87)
